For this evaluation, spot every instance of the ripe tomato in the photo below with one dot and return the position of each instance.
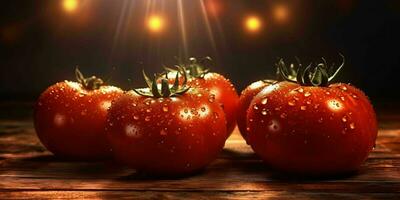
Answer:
(168, 131)
(244, 102)
(70, 118)
(312, 127)
(223, 90)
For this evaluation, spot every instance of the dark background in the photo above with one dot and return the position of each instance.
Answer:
(41, 43)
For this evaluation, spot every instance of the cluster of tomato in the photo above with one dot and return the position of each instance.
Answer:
(180, 122)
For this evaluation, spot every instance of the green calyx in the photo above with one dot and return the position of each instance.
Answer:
(91, 83)
(159, 86)
(312, 75)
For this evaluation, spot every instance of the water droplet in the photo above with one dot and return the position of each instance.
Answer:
(344, 88)
(251, 120)
(147, 118)
(283, 115)
(199, 95)
(134, 104)
(165, 108)
(148, 110)
(292, 103)
(264, 112)
(308, 102)
(211, 98)
(303, 107)
(186, 110)
(203, 109)
(320, 120)
(296, 98)
(352, 125)
(247, 128)
(215, 115)
(135, 117)
(344, 119)
(342, 98)
(327, 93)
(40, 104)
(307, 94)
(255, 107)
(147, 102)
(264, 101)
(355, 96)
(300, 90)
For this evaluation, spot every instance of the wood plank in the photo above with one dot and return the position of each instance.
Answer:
(198, 195)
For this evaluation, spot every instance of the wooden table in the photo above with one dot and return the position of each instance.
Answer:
(28, 171)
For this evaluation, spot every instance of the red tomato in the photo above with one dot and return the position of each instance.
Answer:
(317, 129)
(70, 118)
(244, 102)
(166, 133)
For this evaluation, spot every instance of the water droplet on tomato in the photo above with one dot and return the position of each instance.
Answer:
(264, 112)
(203, 109)
(291, 103)
(165, 108)
(303, 107)
(352, 125)
(255, 107)
(134, 104)
(300, 90)
(342, 98)
(344, 88)
(135, 117)
(283, 115)
(307, 94)
(344, 119)
(148, 110)
(264, 101)
(147, 118)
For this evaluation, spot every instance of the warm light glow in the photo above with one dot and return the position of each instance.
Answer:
(70, 5)
(155, 23)
(281, 13)
(253, 24)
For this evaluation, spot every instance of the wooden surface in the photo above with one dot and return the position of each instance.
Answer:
(28, 171)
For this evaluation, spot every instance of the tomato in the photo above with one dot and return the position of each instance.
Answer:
(244, 102)
(223, 90)
(70, 118)
(311, 126)
(167, 130)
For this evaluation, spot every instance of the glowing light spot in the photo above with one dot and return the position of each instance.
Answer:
(281, 13)
(132, 131)
(70, 5)
(105, 105)
(204, 111)
(155, 23)
(59, 119)
(253, 24)
(334, 105)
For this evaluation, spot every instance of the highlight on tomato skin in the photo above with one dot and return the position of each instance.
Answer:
(310, 126)
(70, 118)
(166, 129)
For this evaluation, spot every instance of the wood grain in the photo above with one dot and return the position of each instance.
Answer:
(28, 171)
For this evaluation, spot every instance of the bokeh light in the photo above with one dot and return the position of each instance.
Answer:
(70, 5)
(253, 24)
(155, 23)
(280, 13)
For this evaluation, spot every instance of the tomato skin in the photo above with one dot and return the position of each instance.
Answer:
(70, 120)
(225, 93)
(245, 99)
(312, 130)
(167, 136)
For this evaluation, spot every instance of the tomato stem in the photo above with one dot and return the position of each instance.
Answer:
(312, 75)
(91, 83)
